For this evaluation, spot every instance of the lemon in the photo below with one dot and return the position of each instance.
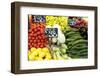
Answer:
(31, 57)
(38, 50)
(29, 52)
(35, 53)
(45, 50)
(48, 55)
(33, 49)
(39, 58)
(47, 58)
(41, 54)
(36, 58)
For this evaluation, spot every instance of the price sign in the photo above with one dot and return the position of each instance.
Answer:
(51, 32)
(38, 18)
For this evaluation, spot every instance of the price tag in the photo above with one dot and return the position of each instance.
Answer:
(38, 18)
(51, 32)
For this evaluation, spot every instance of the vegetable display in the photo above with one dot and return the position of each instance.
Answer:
(78, 46)
(60, 20)
(39, 54)
(57, 37)
(36, 36)
(77, 22)
(59, 53)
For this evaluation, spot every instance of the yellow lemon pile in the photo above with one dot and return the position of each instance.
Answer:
(60, 20)
(39, 54)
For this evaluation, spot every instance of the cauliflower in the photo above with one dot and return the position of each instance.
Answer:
(61, 37)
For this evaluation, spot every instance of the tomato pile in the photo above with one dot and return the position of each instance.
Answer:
(36, 36)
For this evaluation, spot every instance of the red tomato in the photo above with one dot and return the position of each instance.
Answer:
(42, 36)
(33, 38)
(41, 30)
(31, 34)
(32, 44)
(38, 28)
(41, 46)
(28, 44)
(35, 41)
(35, 34)
(38, 25)
(29, 37)
(31, 41)
(30, 30)
(35, 45)
(41, 41)
(39, 37)
(38, 33)
(36, 38)
(35, 30)
(46, 42)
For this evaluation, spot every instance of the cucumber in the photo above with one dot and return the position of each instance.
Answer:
(75, 34)
(78, 53)
(74, 39)
(77, 56)
(83, 51)
(81, 41)
(70, 33)
(79, 48)
(83, 56)
(78, 45)
(74, 56)
(71, 30)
